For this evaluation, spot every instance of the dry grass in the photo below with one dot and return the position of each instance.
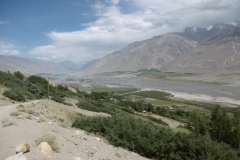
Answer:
(21, 108)
(64, 125)
(15, 113)
(6, 122)
(70, 115)
(50, 139)
(30, 111)
(29, 117)
(118, 155)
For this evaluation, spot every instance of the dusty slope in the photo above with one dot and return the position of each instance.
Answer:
(221, 53)
(73, 144)
(29, 66)
(152, 53)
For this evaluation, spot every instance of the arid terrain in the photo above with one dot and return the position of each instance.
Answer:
(26, 122)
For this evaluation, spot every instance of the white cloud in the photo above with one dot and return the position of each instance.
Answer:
(3, 22)
(113, 29)
(8, 49)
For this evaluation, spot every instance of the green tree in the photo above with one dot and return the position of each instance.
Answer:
(18, 75)
(221, 125)
(235, 138)
(199, 123)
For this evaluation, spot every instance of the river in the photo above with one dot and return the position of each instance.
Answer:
(214, 90)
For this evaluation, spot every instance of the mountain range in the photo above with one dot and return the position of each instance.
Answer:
(216, 54)
(29, 66)
(195, 50)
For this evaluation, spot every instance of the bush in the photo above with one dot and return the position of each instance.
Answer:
(14, 95)
(18, 75)
(50, 139)
(6, 122)
(58, 99)
(154, 142)
(96, 107)
(15, 114)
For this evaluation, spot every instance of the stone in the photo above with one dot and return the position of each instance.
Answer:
(45, 148)
(20, 116)
(18, 156)
(24, 147)
(77, 158)
(35, 114)
(98, 139)
(78, 133)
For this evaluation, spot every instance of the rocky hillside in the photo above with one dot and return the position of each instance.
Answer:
(219, 53)
(156, 52)
(29, 66)
(152, 53)
(201, 35)
(38, 121)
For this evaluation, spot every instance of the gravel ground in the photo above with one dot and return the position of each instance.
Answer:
(41, 117)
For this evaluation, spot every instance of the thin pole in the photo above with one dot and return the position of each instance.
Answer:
(48, 88)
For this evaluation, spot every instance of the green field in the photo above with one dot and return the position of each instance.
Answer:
(180, 129)
(115, 73)
(152, 94)
(113, 89)
(161, 102)
(162, 75)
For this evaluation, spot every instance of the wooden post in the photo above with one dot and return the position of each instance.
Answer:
(48, 88)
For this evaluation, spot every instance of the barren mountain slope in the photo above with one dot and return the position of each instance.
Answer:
(219, 53)
(30, 66)
(152, 53)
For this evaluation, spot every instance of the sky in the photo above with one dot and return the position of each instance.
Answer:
(84, 30)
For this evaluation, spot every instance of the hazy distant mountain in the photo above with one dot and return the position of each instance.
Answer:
(219, 53)
(84, 66)
(29, 66)
(203, 34)
(156, 52)
(76, 66)
(72, 66)
(147, 54)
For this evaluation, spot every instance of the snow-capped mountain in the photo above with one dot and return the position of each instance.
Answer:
(203, 34)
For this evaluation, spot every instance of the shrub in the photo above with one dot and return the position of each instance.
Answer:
(6, 122)
(14, 95)
(58, 99)
(21, 108)
(154, 142)
(18, 75)
(50, 139)
(30, 111)
(15, 114)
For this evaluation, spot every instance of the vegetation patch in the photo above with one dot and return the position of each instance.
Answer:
(6, 122)
(154, 142)
(153, 94)
(15, 113)
(118, 155)
(21, 108)
(155, 74)
(50, 139)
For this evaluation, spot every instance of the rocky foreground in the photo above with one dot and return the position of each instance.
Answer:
(30, 123)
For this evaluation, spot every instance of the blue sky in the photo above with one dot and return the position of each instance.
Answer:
(82, 30)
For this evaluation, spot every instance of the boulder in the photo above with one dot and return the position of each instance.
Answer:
(24, 147)
(45, 148)
(20, 116)
(18, 156)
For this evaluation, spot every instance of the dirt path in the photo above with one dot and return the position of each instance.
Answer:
(172, 123)
(8, 107)
(74, 144)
